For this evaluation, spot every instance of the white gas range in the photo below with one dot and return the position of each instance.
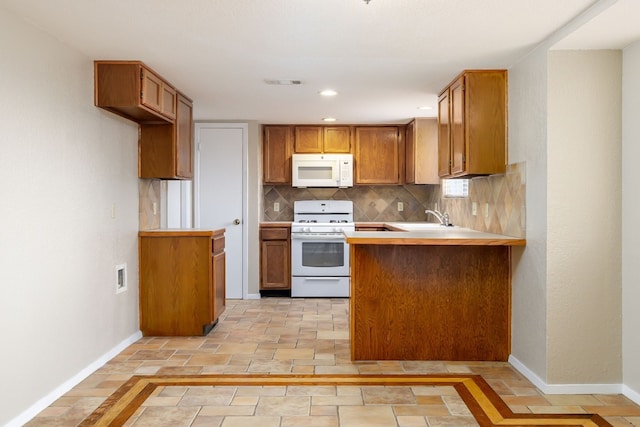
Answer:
(319, 252)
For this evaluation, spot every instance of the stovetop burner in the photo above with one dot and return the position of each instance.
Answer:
(322, 214)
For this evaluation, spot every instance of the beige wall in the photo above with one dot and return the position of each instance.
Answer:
(630, 215)
(254, 181)
(63, 164)
(527, 143)
(583, 217)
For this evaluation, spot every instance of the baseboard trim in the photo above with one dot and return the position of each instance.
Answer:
(47, 400)
(253, 296)
(565, 388)
(631, 394)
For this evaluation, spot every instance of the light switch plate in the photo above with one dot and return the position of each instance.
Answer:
(276, 207)
(486, 210)
(400, 206)
(474, 208)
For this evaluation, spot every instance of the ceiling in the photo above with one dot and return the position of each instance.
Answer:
(385, 58)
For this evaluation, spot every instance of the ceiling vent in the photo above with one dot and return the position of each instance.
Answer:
(282, 82)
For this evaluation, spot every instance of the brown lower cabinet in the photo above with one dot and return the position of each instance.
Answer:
(182, 281)
(275, 258)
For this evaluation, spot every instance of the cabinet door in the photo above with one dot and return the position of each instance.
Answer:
(169, 97)
(276, 150)
(275, 265)
(184, 138)
(444, 135)
(218, 284)
(337, 139)
(458, 143)
(377, 155)
(152, 87)
(308, 139)
(410, 154)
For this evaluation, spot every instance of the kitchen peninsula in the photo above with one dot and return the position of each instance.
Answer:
(441, 293)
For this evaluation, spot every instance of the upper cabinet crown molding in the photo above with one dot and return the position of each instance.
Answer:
(472, 124)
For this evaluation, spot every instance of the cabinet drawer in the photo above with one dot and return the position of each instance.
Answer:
(274, 234)
(218, 244)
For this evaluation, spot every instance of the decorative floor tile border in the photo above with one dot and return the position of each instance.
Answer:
(484, 403)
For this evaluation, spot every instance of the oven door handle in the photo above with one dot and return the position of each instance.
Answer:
(319, 237)
(323, 279)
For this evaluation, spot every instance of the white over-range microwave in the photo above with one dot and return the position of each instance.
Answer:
(322, 170)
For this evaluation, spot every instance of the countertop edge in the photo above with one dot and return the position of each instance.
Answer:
(183, 232)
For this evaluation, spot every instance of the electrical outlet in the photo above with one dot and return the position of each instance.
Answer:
(474, 208)
(400, 206)
(486, 210)
(155, 208)
(276, 207)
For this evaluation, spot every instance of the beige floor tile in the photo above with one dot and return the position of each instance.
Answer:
(354, 400)
(294, 353)
(451, 421)
(311, 391)
(261, 421)
(388, 395)
(410, 421)
(556, 409)
(370, 416)
(573, 399)
(311, 421)
(237, 348)
(283, 405)
(166, 417)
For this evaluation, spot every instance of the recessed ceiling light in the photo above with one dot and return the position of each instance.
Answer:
(329, 119)
(328, 92)
(425, 107)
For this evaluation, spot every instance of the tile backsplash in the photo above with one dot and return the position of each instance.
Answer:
(149, 193)
(502, 196)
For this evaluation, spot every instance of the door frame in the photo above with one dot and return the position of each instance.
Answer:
(245, 191)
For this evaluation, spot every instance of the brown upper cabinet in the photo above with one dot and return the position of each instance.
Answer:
(277, 146)
(166, 150)
(377, 155)
(421, 146)
(134, 91)
(322, 139)
(472, 124)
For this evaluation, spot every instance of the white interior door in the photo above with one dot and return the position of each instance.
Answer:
(220, 193)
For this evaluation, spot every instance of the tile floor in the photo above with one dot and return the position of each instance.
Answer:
(307, 336)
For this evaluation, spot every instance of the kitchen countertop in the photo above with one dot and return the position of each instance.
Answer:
(275, 224)
(441, 236)
(174, 232)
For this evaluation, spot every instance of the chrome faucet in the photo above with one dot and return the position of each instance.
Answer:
(442, 217)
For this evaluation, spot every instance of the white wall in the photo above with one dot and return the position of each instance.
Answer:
(584, 98)
(630, 215)
(63, 165)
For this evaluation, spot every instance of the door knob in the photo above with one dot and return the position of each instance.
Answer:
(236, 221)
